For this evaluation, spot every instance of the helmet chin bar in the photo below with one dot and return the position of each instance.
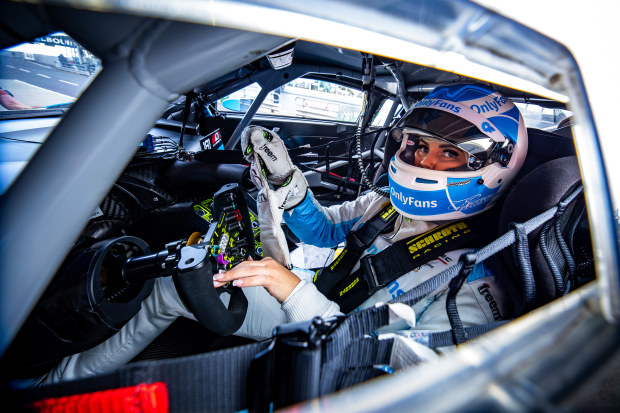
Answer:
(429, 195)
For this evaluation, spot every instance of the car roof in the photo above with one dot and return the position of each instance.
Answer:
(484, 37)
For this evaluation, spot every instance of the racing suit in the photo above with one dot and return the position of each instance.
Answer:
(480, 301)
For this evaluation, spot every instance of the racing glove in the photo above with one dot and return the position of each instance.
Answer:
(282, 187)
(272, 167)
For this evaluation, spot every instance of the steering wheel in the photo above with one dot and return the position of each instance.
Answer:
(229, 241)
(194, 282)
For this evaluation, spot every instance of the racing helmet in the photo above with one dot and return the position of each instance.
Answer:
(460, 147)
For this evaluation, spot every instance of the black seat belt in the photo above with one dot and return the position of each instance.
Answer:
(377, 271)
(357, 242)
(351, 352)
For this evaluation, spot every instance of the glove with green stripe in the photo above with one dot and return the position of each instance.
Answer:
(272, 168)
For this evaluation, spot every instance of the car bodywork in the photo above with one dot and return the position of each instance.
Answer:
(149, 62)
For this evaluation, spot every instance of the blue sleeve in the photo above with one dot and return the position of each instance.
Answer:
(312, 224)
(479, 271)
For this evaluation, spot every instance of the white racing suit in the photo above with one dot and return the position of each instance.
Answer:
(480, 301)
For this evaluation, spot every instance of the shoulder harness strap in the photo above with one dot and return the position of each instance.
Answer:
(377, 271)
(357, 242)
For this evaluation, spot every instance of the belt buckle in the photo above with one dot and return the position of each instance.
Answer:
(370, 276)
(354, 243)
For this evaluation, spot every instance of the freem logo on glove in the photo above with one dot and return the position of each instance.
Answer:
(268, 152)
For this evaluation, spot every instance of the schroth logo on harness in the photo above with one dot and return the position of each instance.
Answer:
(350, 289)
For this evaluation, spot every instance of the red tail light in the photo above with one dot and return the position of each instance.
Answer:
(143, 398)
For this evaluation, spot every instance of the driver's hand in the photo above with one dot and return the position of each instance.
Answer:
(268, 155)
(269, 273)
(275, 164)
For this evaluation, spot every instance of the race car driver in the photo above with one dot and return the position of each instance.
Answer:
(460, 147)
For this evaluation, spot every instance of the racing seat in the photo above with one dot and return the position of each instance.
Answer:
(559, 254)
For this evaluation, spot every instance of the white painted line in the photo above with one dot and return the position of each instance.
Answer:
(69, 83)
(24, 70)
(45, 76)
(46, 90)
(12, 67)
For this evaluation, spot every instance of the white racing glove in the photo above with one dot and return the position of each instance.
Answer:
(269, 158)
(282, 187)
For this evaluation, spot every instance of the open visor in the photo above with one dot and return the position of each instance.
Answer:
(462, 135)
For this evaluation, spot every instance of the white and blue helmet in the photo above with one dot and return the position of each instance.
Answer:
(487, 131)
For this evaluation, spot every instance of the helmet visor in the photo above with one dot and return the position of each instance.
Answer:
(450, 129)
(427, 151)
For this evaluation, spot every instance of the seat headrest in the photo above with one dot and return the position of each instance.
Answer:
(541, 189)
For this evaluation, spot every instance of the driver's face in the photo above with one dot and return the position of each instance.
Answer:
(438, 155)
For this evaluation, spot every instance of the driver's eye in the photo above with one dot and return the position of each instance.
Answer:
(422, 148)
(449, 153)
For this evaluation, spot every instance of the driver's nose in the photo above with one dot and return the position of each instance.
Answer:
(430, 160)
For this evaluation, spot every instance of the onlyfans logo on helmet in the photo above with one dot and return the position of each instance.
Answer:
(409, 200)
(431, 103)
(492, 105)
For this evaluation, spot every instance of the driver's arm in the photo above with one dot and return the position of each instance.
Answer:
(275, 175)
(327, 227)
(299, 297)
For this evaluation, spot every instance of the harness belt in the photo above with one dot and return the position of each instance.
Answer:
(350, 289)
(358, 241)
